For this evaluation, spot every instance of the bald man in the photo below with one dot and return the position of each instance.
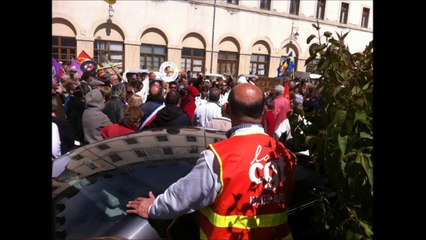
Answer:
(153, 104)
(241, 186)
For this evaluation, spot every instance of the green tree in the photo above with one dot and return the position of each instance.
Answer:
(340, 136)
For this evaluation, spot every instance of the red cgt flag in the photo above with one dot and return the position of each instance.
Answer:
(286, 90)
(83, 56)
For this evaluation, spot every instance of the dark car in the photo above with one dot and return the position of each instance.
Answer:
(91, 185)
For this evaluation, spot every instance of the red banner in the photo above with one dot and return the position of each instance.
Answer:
(83, 56)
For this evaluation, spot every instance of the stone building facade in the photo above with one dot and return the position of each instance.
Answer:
(213, 36)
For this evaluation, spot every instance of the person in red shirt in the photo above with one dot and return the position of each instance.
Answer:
(282, 105)
(130, 123)
(268, 119)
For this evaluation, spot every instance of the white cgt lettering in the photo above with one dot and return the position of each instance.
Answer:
(252, 172)
(272, 177)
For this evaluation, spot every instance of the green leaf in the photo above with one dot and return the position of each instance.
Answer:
(340, 76)
(337, 90)
(361, 116)
(355, 90)
(335, 42)
(310, 59)
(312, 36)
(368, 167)
(366, 86)
(347, 58)
(344, 35)
(315, 26)
(330, 48)
(327, 34)
(369, 48)
(313, 48)
(367, 228)
(323, 64)
(342, 141)
(321, 47)
(340, 117)
(365, 135)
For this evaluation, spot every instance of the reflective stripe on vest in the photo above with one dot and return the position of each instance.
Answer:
(244, 222)
(288, 237)
(204, 237)
(220, 169)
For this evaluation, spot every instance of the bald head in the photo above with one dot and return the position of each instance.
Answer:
(155, 93)
(246, 103)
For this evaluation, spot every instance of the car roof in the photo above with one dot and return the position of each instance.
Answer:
(214, 75)
(248, 75)
(149, 145)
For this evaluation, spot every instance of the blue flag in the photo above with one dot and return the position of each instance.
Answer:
(290, 60)
(286, 65)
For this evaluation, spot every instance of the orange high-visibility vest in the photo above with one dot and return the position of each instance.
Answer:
(256, 173)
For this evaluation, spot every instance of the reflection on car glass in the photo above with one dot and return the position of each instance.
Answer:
(115, 157)
(77, 157)
(191, 138)
(167, 151)
(131, 140)
(162, 138)
(111, 203)
(103, 146)
(193, 150)
(140, 153)
(92, 166)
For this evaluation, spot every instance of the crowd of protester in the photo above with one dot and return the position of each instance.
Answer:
(91, 107)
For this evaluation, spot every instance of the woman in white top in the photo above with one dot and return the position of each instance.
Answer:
(56, 141)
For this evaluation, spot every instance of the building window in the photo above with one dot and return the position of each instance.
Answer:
(365, 15)
(232, 2)
(192, 60)
(344, 13)
(63, 48)
(109, 51)
(265, 4)
(294, 7)
(259, 64)
(321, 9)
(152, 56)
(227, 63)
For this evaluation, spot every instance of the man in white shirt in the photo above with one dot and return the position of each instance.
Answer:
(206, 112)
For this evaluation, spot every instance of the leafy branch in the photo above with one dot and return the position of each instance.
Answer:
(340, 137)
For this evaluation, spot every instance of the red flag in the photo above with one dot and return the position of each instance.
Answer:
(286, 90)
(83, 56)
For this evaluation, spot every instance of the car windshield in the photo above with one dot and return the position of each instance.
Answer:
(103, 197)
